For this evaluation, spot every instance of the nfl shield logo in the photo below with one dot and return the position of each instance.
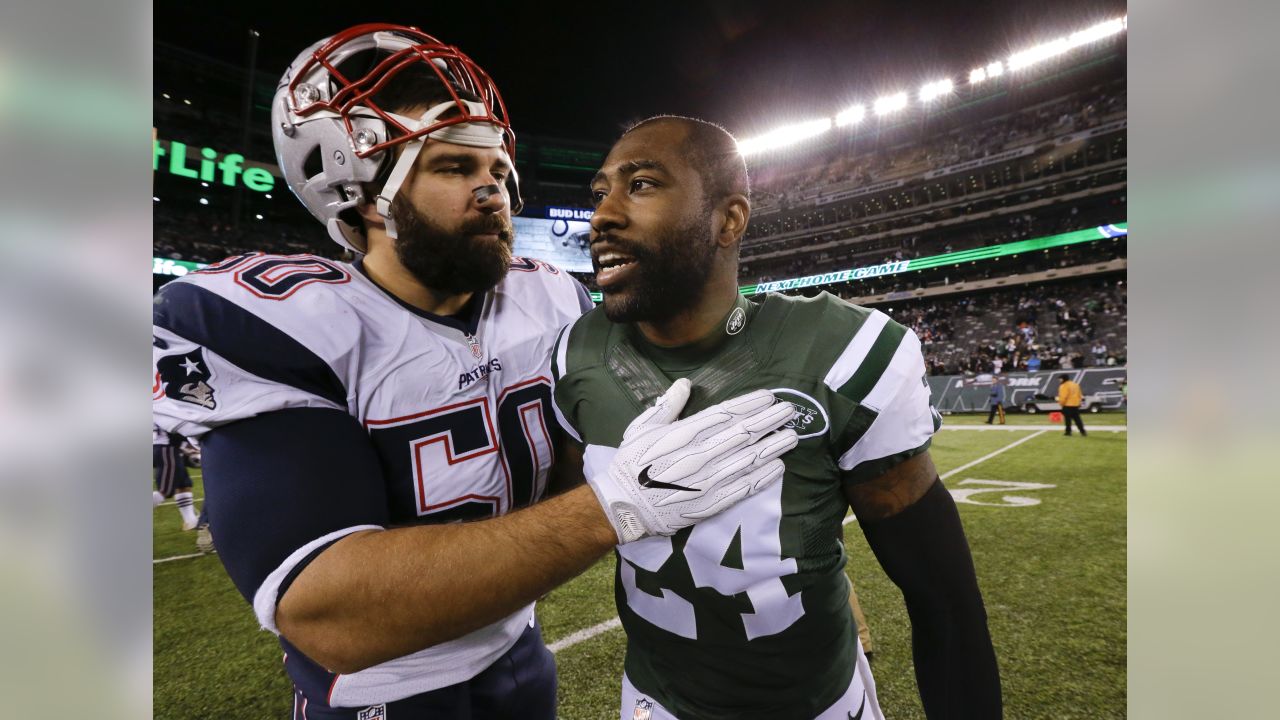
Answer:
(375, 712)
(643, 711)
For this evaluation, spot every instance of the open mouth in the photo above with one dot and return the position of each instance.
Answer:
(613, 267)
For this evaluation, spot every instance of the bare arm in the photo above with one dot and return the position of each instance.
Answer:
(912, 526)
(280, 483)
(378, 595)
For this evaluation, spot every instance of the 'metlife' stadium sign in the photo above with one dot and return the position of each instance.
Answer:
(209, 165)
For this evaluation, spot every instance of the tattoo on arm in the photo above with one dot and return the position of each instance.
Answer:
(894, 491)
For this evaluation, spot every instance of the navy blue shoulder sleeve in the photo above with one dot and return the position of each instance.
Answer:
(277, 482)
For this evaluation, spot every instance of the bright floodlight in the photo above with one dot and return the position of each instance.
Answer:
(784, 136)
(851, 115)
(995, 69)
(891, 103)
(935, 90)
(977, 75)
(1061, 45)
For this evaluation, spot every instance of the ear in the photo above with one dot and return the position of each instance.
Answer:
(737, 212)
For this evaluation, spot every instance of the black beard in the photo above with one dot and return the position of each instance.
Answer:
(451, 262)
(669, 279)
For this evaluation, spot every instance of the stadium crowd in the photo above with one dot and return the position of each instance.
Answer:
(1080, 323)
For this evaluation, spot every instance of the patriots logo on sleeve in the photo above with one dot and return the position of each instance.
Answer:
(186, 377)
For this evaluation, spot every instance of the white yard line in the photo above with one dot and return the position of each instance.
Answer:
(984, 458)
(988, 456)
(572, 639)
(984, 427)
(157, 561)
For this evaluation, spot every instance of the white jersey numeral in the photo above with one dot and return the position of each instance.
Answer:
(758, 522)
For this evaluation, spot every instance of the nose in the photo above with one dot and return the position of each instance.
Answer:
(608, 216)
(489, 198)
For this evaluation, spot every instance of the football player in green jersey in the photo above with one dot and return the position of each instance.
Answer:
(747, 614)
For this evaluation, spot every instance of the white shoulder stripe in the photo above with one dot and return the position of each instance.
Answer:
(562, 350)
(849, 361)
(905, 363)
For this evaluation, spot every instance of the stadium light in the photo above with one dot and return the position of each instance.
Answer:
(259, 216)
(784, 136)
(995, 69)
(891, 103)
(977, 75)
(268, 196)
(851, 115)
(166, 95)
(934, 90)
(186, 101)
(1061, 45)
(204, 201)
(155, 199)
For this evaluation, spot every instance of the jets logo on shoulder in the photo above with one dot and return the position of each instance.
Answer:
(643, 711)
(186, 377)
(810, 419)
(737, 320)
(373, 712)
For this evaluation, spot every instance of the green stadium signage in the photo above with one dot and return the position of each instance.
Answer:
(176, 268)
(209, 165)
(955, 258)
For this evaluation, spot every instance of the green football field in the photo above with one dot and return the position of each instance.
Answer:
(1045, 517)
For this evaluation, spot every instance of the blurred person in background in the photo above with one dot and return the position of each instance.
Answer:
(996, 398)
(172, 479)
(1070, 397)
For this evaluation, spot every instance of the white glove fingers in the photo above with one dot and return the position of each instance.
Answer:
(765, 476)
(776, 444)
(685, 432)
(700, 455)
(725, 469)
(748, 404)
(664, 411)
(723, 502)
(770, 419)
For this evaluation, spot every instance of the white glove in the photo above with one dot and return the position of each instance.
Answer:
(668, 474)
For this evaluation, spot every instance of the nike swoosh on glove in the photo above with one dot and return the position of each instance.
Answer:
(668, 474)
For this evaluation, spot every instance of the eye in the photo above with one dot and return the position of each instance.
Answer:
(638, 184)
(597, 197)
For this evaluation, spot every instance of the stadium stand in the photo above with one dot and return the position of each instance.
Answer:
(1003, 165)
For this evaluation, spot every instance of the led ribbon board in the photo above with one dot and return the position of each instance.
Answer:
(984, 253)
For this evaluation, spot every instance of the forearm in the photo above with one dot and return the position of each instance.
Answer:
(924, 551)
(376, 596)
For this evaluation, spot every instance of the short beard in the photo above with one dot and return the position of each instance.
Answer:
(451, 262)
(670, 279)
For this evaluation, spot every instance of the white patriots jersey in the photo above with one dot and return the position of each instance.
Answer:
(459, 411)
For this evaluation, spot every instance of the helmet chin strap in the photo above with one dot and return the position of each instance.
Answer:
(471, 134)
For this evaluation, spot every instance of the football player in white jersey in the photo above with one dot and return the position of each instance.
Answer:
(349, 414)
(172, 480)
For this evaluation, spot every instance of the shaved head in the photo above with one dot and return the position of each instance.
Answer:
(712, 152)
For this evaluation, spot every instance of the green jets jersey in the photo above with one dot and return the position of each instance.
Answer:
(746, 614)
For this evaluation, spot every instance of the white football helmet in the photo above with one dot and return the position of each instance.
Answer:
(330, 136)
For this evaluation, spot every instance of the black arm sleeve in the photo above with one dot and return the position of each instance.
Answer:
(276, 482)
(924, 552)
